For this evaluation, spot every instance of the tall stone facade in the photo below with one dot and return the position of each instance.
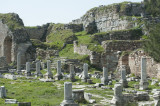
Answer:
(13, 42)
(108, 18)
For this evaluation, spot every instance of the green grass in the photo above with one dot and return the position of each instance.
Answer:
(86, 39)
(69, 53)
(59, 35)
(36, 92)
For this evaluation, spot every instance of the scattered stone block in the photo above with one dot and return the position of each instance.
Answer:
(11, 101)
(9, 76)
(142, 96)
(89, 81)
(78, 95)
(98, 85)
(154, 82)
(88, 96)
(24, 103)
(156, 97)
(136, 86)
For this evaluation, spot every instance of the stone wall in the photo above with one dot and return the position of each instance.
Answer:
(46, 54)
(108, 18)
(38, 32)
(132, 34)
(81, 49)
(13, 42)
(111, 55)
(153, 68)
(121, 45)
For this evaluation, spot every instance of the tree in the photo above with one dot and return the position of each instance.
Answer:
(152, 7)
(152, 44)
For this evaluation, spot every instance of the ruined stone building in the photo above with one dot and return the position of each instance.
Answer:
(12, 42)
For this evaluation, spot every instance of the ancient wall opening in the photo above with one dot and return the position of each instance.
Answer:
(8, 49)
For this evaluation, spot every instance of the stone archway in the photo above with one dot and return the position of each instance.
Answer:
(8, 49)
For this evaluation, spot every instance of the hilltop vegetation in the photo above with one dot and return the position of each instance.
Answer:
(12, 20)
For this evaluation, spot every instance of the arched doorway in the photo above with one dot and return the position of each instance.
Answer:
(8, 48)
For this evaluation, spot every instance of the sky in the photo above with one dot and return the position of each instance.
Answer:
(38, 12)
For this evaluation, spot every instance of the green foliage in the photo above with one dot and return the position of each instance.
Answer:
(152, 44)
(11, 21)
(84, 38)
(152, 7)
(38, 44)
(59, 35)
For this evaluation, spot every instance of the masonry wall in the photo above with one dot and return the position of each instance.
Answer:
(153, 68)
(109, 18)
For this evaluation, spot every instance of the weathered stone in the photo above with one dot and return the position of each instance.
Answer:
(19, 62)
(78, 95)
(85, 73)
(38, 72)
(2, 92)
(104, 79)
(156, 97)
(143, 83)
(88, 96)
(11, 101)
(28, 71)
(24, 103)
(98, 85)
(89, 81)
(68, 100)
(49, 74)
(58, 76)
(123, 77)
(136, 86)
(118, 97)
(142, 96)
(72, 73)
(8, 76)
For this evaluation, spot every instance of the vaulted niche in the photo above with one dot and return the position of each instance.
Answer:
(8, 48)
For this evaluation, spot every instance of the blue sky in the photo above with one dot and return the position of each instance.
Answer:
(38, 12)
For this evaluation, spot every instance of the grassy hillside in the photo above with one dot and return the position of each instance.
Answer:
(12, 20)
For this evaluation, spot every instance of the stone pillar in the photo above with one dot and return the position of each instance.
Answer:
(28, 70)
(38, 72)
(72, 76)
(59, 74)
(68, 100)
(19, 62)
(85, 73)
(58, 67)
(49, 74)
(2, 92)
(104, 79)
(123, 76)
(143, 82)
(156, 97)
(118, 97)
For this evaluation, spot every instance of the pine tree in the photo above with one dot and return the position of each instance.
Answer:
(152, 44)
